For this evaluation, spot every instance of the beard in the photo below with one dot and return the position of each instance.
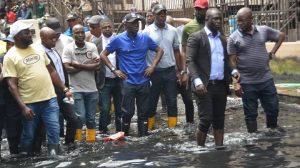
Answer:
(201, 19)
(28, 42)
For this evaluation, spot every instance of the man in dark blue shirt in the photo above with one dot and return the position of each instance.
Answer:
(131, 48)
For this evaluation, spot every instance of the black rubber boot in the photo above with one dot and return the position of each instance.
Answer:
(251, 126)
(118, 124)
(53, 149)
(143, 128)
(125, 126)
(26, 150)
(272, 122)
(13, 144)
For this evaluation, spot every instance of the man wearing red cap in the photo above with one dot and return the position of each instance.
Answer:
(200, 8)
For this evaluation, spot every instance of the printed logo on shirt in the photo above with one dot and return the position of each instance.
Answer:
(31, 59)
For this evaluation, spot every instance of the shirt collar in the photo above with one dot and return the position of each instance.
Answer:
(157, 28)
(75, 46)
(209, 33)
(107, 38)
(47, 49)
(130, 37)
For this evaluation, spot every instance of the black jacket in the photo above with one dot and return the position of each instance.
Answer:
(199, 58)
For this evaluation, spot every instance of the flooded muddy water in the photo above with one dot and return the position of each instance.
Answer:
(177, 147)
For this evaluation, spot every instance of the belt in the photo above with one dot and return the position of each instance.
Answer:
(108, 78)
(164, 69)
(215, 82)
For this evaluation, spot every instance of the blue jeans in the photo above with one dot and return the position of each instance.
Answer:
(165, 80)
(135, 93)
(85, 107)
(111, 88)
(48, 111)
(267, 94)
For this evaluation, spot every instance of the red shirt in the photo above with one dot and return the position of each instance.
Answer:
(11, 17)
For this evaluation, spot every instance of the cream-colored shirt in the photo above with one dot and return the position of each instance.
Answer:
(29, 67)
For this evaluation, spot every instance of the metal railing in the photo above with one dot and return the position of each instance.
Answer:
(279, 14)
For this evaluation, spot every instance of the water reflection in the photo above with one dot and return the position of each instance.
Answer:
(177, 147)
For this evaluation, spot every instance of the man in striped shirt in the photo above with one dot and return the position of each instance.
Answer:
(250, 61)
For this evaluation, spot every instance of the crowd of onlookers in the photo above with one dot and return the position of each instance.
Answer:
(20, 10)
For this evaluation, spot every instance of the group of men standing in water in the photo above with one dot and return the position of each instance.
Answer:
(133, 67)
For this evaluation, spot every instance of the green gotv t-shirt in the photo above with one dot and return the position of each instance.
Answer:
(191, 27)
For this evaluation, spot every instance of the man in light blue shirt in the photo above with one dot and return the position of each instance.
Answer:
(164, 77)
(48, 40)
(207, 64)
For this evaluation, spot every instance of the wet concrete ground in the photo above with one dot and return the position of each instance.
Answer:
(177, 147)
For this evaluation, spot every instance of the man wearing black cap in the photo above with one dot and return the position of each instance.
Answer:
(73, 19)
(131, 48)
(164, 76)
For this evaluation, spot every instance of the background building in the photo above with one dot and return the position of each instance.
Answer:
(280, 14)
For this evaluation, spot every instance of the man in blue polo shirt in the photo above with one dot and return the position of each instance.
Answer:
(131, 48)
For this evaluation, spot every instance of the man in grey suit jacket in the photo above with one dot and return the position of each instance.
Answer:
(207, 64)
(107, 83)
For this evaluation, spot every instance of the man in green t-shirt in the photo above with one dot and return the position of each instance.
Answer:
(200, 8)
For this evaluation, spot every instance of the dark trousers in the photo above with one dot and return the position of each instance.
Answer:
(13, 126)
(135, 93)
(111, 88)
(2, 115)
(186, 95)
(267, 94)
(72, 119)
(211, 107)
(165, 80)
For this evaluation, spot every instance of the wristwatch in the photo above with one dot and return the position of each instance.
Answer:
(182, 72)
(66, 90)
(113, 69)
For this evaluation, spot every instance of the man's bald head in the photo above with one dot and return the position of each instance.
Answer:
(211, 12)
(48, 37)
(213, 19)
(244, 19)
(77, 26)
(78, 34)
(46, 31)
(245, 11)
